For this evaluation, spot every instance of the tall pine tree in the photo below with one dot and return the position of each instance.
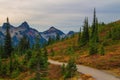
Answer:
(94, 36)
(79, 36)
(57, 37)
(85, 34)
(8, 44)
(23, 44)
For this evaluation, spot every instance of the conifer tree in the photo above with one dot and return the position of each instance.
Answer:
(85, 34)
(94, 36)
(102, 50)
(8, 44)
(11, 65)
(87, 30)
(79, 36)
(63, 69)
(70, 69)
(94, 23)
(37, 42)
(50, 41)
(57, 37)
(45, 54)
(1, 51)
(96, 31)
(0, 65)
(24, 44)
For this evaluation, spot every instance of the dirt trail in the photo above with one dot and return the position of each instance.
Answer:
(97, 74)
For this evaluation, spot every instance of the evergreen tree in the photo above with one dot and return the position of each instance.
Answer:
(79, 37)
(115, 33)
(70, 69)
(23, 44)
(94, 36)
(45, 54)
(1, 51)
(8, 44)
(37, 42)
(0, 65)
(38, 71)
(11, 65)
(94, 24)
(85, 35)
(38, 60)
(28, 56)
(50, 41)
(37, 75)
(70, 50)
(42, 62)
(109, 34)
(16, 63)
(102, 50)
(87, 30)
(93, 48)
(96, 31)
(63, 69)
(57, 37)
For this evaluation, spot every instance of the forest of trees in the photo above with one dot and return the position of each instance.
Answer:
(33, 58)
(89, 36)
(24, 57)
(15, 60)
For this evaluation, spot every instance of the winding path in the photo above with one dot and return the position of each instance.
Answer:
(97, 74)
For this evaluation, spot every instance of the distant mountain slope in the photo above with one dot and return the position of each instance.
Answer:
(52, 33)
(18, 32)
(25, 30)
(70, 33)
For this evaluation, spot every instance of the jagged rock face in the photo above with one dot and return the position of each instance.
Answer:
(52, 32)
(18, 32)
(25, 30)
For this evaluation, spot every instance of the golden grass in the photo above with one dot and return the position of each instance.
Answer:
(110, 61)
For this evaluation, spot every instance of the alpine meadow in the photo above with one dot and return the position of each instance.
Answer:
(64, 40)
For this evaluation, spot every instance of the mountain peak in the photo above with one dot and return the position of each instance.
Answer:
(24, 25)
(25, 22)
(71, 32)
(5, 24)
(52, 28)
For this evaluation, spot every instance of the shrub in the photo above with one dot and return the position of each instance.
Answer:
(15, 73)
(102, 51)
(32, 63)
(63, 69)
(93, 48)
(4, 70)
(28, 55)
(70, 50)
(52, 52)
(70, 69)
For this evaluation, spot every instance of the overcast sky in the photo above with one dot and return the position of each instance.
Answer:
(65, 15)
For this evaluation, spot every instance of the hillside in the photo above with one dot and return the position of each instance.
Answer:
(109, 37)
(32, 63)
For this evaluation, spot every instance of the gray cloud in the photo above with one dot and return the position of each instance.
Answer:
(64, 14)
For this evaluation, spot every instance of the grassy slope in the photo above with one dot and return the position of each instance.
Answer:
(28, 75)
(110, 61)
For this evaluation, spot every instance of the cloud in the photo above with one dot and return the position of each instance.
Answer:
(64, 14)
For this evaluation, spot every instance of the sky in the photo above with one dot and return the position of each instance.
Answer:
(65, 15)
